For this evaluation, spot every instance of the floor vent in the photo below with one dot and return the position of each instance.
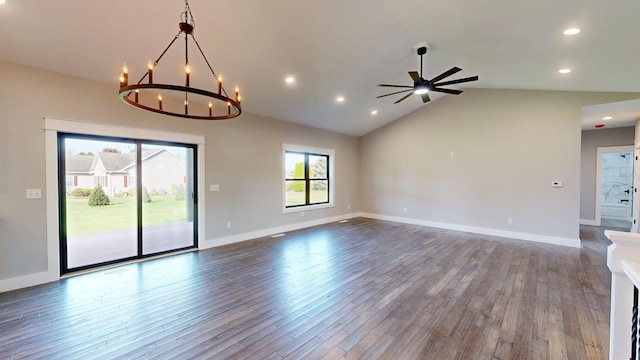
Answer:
(343, 221)
(278, 235)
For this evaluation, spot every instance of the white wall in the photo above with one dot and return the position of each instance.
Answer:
(243, 156)
(508, 145)
(591, 140)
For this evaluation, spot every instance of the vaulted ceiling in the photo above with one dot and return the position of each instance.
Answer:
(338, 48)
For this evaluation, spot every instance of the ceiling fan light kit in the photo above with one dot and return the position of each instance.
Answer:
(131, 94)
(422, 86)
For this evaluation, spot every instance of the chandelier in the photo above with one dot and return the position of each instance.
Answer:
(148, 95)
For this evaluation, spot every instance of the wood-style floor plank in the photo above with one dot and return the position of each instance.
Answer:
(365, 289)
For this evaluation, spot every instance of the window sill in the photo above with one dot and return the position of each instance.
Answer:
(307, 208)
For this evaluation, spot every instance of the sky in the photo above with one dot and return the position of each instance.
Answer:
(76, 146)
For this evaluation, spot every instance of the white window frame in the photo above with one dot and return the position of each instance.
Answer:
(332, 171)
(53, 126)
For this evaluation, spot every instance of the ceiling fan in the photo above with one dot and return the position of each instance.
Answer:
(422, 86)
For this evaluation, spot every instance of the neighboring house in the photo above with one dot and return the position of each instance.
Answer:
(78, 172)
(116, 173)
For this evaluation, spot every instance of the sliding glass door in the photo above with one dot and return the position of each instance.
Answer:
(123, 199)
(167, 198)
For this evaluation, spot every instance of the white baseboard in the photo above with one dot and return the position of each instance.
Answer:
(27, 281)
(480, 230)
(209, 243)
(589, 222)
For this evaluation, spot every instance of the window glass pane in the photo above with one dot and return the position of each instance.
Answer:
(317, 167)
(295, 192)
(294, 165)
(101, 214)
(319, 191)
(167, 198)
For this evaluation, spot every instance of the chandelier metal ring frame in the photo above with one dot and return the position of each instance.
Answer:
(127, 91)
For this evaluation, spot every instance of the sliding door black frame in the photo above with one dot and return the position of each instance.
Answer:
(62, 210)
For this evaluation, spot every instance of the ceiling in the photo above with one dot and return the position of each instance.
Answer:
(340, 48)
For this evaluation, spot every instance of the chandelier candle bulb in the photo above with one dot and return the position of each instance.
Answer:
(136, 93)
(210, 108)
(150, 65)
(219, 84)
(187, 70)
(160, 102)
(237, 92)
(229, 107)
(125, 75)
(186, 107)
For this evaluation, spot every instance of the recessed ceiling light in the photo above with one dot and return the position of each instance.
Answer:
(571, 31)
(564, 71)
(607, 118)
(288, 79)
(373, 112)
(340, 99)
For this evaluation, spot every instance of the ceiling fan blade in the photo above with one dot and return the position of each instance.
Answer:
(398, 86)
(397, 92)
(448, 91)
(457, 81)
(414, 75)
(445, 74)
(425, 98)
(404, 97)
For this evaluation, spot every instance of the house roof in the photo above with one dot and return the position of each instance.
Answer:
(112, 162)
(79, 163)
(336, 47)
(116, 161)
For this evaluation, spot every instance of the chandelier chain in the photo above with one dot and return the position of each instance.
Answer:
(184, 17)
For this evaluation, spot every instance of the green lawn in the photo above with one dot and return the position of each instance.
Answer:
(121, 213)
(297, 198)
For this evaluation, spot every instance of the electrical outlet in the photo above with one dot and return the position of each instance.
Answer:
(348, 206)
(509, 220)
(404, 210)
(34, 194)
(228, 224)
(302, 213)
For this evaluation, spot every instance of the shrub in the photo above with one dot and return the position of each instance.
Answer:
(145, 195)
(98, 197)
(179, 191)
(298, 173)
(81, 192)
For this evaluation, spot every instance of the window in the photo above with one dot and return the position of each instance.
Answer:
(308, 176)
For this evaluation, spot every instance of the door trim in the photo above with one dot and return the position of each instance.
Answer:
(53, 126)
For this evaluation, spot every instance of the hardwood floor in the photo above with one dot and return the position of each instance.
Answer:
(364, 289)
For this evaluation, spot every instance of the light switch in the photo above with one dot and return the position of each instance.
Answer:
(214, 187)
(557, 184)
(34, 194)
